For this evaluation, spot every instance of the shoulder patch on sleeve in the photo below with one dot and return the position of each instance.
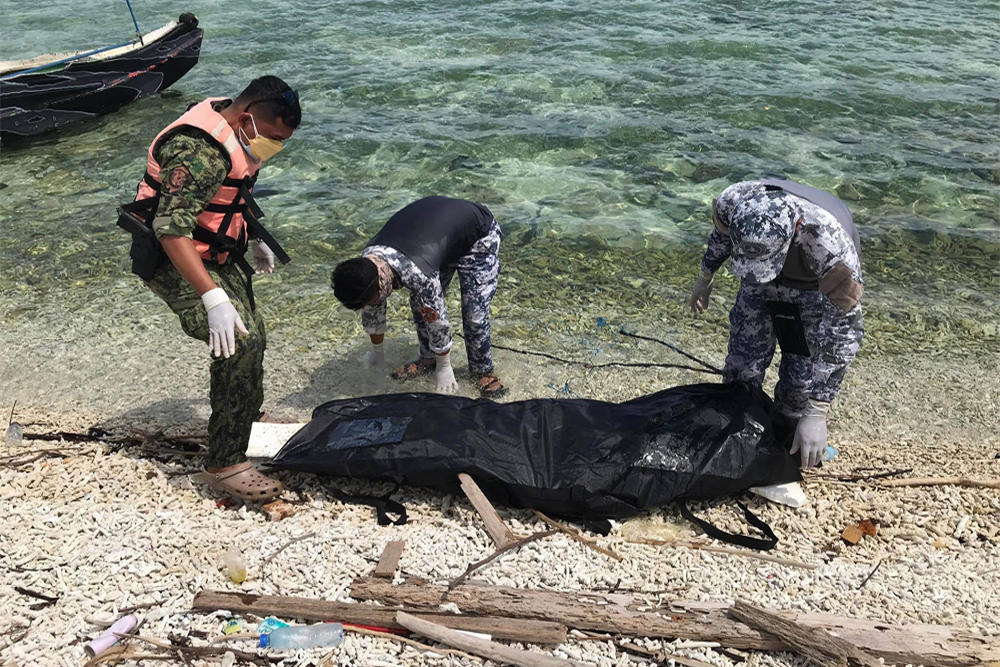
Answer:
(178, 178)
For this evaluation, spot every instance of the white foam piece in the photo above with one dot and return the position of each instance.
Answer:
(790, 494)
(267, 438)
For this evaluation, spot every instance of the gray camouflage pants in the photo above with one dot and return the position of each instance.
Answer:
(833, 337)
(478, 272)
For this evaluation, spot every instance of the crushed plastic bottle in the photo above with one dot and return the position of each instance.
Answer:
(235, 565)
(326, 635)
(14, 435)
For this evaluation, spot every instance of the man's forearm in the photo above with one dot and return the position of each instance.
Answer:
(187, 261)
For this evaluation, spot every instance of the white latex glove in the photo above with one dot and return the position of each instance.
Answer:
(376, 356)
(223, 322)
(263, 258)
(702, 290)
(444, 375)
(810, 434)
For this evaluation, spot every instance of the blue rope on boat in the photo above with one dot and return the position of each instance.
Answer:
(135, 23)
(63, 61)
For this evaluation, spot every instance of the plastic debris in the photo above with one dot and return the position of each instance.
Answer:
(235, 565)
(14, 435)
(790, 494)
(233, 626)
(304, 636)
(270, 624)
(109, 638)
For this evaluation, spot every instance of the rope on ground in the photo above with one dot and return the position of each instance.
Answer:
(613, 364)
(676, 349)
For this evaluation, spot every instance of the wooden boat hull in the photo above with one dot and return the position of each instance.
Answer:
(38, 102)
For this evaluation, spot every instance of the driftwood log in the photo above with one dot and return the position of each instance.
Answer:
(818, 645)
(309, 609)
(939, 646)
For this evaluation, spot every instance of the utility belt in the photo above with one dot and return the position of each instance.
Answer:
(147, 252)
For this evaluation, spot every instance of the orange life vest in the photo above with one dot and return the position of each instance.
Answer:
(232, 215)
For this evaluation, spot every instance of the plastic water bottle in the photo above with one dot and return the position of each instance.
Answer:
(327, 635)
(830, 452)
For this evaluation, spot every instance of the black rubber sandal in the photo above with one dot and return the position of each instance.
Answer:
(491, 387)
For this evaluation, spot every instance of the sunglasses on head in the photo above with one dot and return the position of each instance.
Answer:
(290, 98)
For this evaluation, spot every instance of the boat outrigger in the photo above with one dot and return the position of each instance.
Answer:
(50, 92)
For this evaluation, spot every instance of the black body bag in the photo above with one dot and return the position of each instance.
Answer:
(573, 458)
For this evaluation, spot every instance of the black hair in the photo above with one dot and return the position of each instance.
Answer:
(275, 97)
(355, 282)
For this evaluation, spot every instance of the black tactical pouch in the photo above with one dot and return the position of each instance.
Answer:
(146, 252)
(787, 321)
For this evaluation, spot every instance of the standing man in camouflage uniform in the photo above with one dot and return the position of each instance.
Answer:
(421, 248)
(797, 254)
(190, 224)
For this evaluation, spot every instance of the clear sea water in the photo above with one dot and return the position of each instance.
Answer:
(596, 131)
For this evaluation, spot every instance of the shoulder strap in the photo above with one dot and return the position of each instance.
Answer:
(382, 504)
(740, 540)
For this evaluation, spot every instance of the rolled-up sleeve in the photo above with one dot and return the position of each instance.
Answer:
(373, 318)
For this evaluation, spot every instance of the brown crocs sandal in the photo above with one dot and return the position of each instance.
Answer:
(243, 481)
(490, 386)
(414, 369)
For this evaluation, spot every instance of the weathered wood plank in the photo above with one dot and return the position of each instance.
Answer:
(495, 526)
(310, 609)
(389, 560)
(898, 644)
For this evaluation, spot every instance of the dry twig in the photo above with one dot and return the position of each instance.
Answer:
(457, 581)
(724, 550)
(870, 575)
(410, 642)
(230, 638)
(285, 546)
(578, 536)
(943, 481)
(201, 650)
(48, 599)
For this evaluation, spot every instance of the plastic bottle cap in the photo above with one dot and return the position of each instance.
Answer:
(265, 641)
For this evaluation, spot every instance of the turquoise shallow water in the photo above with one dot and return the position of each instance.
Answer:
(596, 131)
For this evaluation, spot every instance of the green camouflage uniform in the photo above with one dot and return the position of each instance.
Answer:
(192, 170)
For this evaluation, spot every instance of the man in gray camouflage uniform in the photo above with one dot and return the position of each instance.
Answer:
(797, 255)
(421, 248)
